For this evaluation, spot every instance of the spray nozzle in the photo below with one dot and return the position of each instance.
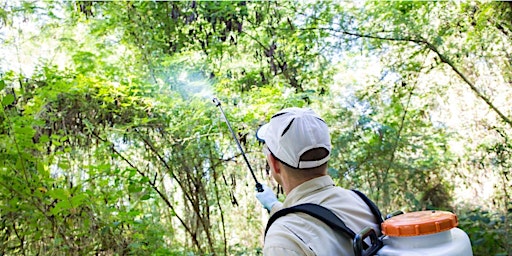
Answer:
(216, 102)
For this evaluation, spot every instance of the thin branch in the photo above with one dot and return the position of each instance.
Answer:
(154, 187)
(471, 85)
(442, 57)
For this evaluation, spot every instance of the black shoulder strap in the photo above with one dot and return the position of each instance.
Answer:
(326, 215)
(316, 211)
(375, 210)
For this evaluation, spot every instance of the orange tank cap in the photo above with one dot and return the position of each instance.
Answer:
(419, 223)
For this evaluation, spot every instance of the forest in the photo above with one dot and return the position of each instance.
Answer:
(110, 143)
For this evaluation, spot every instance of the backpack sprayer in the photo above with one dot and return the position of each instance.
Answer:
(432, 233)
(259, 187)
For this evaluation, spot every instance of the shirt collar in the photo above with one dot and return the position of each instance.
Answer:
(307, 188)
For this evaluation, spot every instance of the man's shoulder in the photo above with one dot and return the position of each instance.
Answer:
(288, 233)
(344, 203)
(307, 234)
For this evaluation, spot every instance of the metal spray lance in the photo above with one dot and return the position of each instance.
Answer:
(259, 187)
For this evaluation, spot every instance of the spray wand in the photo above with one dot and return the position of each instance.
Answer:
(259, 187)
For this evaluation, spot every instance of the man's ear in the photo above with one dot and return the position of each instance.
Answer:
(274, 163)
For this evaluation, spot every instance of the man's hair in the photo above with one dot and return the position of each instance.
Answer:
(310, 155)
(314, 154)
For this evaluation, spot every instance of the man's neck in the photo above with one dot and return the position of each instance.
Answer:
(293, 182)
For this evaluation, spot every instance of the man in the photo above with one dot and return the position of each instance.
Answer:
(297, 147)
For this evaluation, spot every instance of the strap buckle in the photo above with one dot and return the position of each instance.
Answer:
(361, 248)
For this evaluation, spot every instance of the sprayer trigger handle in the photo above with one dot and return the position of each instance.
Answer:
(259, 187)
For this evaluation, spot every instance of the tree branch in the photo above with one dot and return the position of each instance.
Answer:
(154, 187)
(443, 58)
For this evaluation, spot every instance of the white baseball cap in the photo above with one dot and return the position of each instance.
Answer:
(293, 131)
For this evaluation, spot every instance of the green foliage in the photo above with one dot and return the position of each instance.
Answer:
(398, 163)
(112, 145)
(487, 231)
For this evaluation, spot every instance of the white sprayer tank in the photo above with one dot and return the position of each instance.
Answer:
(424, 233)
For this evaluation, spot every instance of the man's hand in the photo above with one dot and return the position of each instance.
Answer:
(267, 197)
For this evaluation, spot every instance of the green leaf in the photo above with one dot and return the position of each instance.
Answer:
(64, 164)
(59, 193)
(144, 179)
(61, 206)
(7, 100)
(44, 139)
(134, 188)
(2, 84)
(78, 200)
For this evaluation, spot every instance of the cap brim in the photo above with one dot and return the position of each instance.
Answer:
(261, 133)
